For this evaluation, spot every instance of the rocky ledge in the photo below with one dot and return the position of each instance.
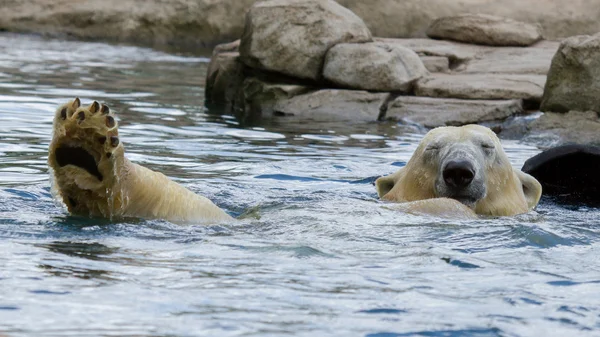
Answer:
(320, 62)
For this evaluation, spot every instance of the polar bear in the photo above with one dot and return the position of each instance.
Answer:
(93, 178)
(461, 172)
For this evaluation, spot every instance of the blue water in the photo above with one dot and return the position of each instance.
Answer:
(316, 253)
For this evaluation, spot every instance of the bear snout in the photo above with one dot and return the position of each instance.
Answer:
(458, 173)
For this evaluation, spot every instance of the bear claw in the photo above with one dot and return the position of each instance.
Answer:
(94, 107)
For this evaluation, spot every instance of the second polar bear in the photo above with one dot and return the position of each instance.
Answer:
(461, 171)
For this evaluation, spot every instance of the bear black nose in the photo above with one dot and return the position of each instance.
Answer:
(459, 173)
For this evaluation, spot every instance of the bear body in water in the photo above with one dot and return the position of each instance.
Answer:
(461, 172)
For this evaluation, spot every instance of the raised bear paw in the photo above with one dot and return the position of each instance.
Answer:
(86, 157)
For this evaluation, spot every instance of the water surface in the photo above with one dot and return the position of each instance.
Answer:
(319, 255)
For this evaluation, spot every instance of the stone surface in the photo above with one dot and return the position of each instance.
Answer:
(292, 36)
(434, 112)
(187, 24)
(193, 23)
(373, 66)
(259, 97)
(553, 129)
(574, 77)
(410, 18)
(333, 105)
(231, 47)
(485, 29)
(224, 78)
(482, 86)
(514, 60)
(456, 52)
(436, 64)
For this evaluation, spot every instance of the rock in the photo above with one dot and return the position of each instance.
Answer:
(515, 127)
(231, 47)
(434, 112)
(184, 24)
(373, 66)
(259, 97)
(224, 78)
(457, 53)
(292, 36)
(333, 105)
(436, 64)
(485, 29)
(553, 129)
(205, 23)
(483, 86)
(580, 185)
(514, 60)
(411, 18)
(574, 78)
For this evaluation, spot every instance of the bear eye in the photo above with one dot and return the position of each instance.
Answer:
(432, 148)
(487, 145)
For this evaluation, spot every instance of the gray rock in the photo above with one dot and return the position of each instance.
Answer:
(186, 24)
(410, 18)
(434, 112)
(456, 52)
(483, 86)
(224, 78)
(259, 97)
(333, 105)
(485, 29)
(231, 47)
(373, 66)
(292, 36)
(436, 64)
(514, 60)
(574, 77)
(553, 129)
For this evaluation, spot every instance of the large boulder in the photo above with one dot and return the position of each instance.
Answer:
(485, 29)
(373, 66)
(483, 86)
(292, 37)
(574, 78)
(434, 112)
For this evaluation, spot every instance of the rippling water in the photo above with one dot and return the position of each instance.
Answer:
(315, 255)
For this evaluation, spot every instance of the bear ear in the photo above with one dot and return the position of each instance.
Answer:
(532, 189)
(385, 184)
